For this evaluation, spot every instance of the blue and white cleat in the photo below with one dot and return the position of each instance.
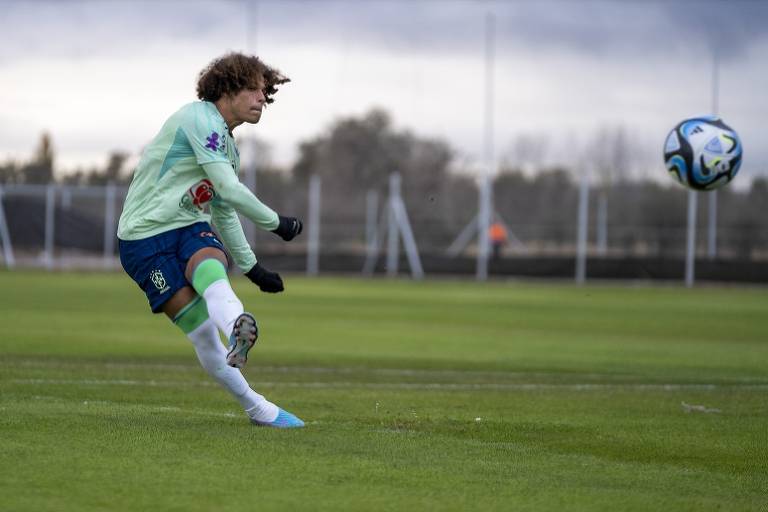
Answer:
(284, 420)
(243, 338)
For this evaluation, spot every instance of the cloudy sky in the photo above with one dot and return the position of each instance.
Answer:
(104, 75)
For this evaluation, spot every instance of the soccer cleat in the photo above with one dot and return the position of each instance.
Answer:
(284, 420)
(243, 338)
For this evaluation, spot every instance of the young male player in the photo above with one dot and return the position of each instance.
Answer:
(166, 243)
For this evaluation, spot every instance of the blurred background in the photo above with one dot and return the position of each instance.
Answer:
(396, 115)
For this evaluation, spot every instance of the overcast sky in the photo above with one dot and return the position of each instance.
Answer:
(102, 76)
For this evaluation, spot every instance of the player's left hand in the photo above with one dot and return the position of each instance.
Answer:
(288, 228)
(266, 280)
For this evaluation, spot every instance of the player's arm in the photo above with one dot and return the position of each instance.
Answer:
(232, 191)
(224, 217)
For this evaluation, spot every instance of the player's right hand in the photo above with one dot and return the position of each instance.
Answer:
(266, 280)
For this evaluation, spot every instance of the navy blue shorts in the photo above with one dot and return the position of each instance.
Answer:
(157, 263)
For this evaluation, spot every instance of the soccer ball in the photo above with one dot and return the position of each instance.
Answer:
(703, 153)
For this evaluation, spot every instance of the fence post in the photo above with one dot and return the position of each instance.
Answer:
(50, 198)
(313, 237)
(109, 224)
(690, 246)
(371, 211)
(581, 229)
(5, 235)
(602, 223)
(393, 245)
(712, 239)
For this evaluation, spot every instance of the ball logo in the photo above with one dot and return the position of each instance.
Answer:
(159, 281)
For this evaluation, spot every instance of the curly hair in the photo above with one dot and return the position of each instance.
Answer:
(233, 72)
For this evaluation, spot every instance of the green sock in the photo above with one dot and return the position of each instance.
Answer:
(207, 272)
(192, 315)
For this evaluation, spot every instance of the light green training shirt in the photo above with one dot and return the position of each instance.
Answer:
(190, 166)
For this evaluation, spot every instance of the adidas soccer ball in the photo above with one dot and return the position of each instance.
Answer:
(703, 153)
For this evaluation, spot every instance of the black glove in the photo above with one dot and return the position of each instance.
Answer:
(266, 280)
(288, 228)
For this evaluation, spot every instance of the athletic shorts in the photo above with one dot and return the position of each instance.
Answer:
(157, 263)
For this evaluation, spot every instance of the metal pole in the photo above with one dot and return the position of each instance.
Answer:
(483, 224)
(409, 241)
(490, 39)
(371, 209)
(464, 238)
(109, 224)
(690, 250)
(5, 235)
(715, 81)
(581, 229)
(712, 224)
(485, 197)
(602, 223)
(50, 190)
(251, 24)
(393, 246)
(313, 237)
(372, 252)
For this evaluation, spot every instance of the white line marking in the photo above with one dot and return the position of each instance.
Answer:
(149, 407)
(361, 370)
(438, 386)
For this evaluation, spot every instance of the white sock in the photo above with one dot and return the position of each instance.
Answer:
(212, 356)
(223, 305)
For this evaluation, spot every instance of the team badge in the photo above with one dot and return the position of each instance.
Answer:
(158, 279)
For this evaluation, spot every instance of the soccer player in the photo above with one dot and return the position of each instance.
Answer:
(166, 242)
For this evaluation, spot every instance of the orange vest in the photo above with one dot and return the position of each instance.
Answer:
(497, 233)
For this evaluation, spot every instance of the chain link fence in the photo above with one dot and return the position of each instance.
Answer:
(61, 227)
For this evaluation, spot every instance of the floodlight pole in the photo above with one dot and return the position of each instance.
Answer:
(486, 190)
(249, 178)
(251, 19)
(712, 225)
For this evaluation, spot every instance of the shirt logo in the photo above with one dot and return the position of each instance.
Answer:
(198, 196)
(213, 142)
(159, 281)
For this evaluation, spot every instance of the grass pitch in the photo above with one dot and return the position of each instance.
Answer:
(433, 395)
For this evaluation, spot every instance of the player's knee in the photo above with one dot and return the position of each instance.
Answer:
(207, 272)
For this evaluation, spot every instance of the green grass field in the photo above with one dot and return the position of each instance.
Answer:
(430, 396)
